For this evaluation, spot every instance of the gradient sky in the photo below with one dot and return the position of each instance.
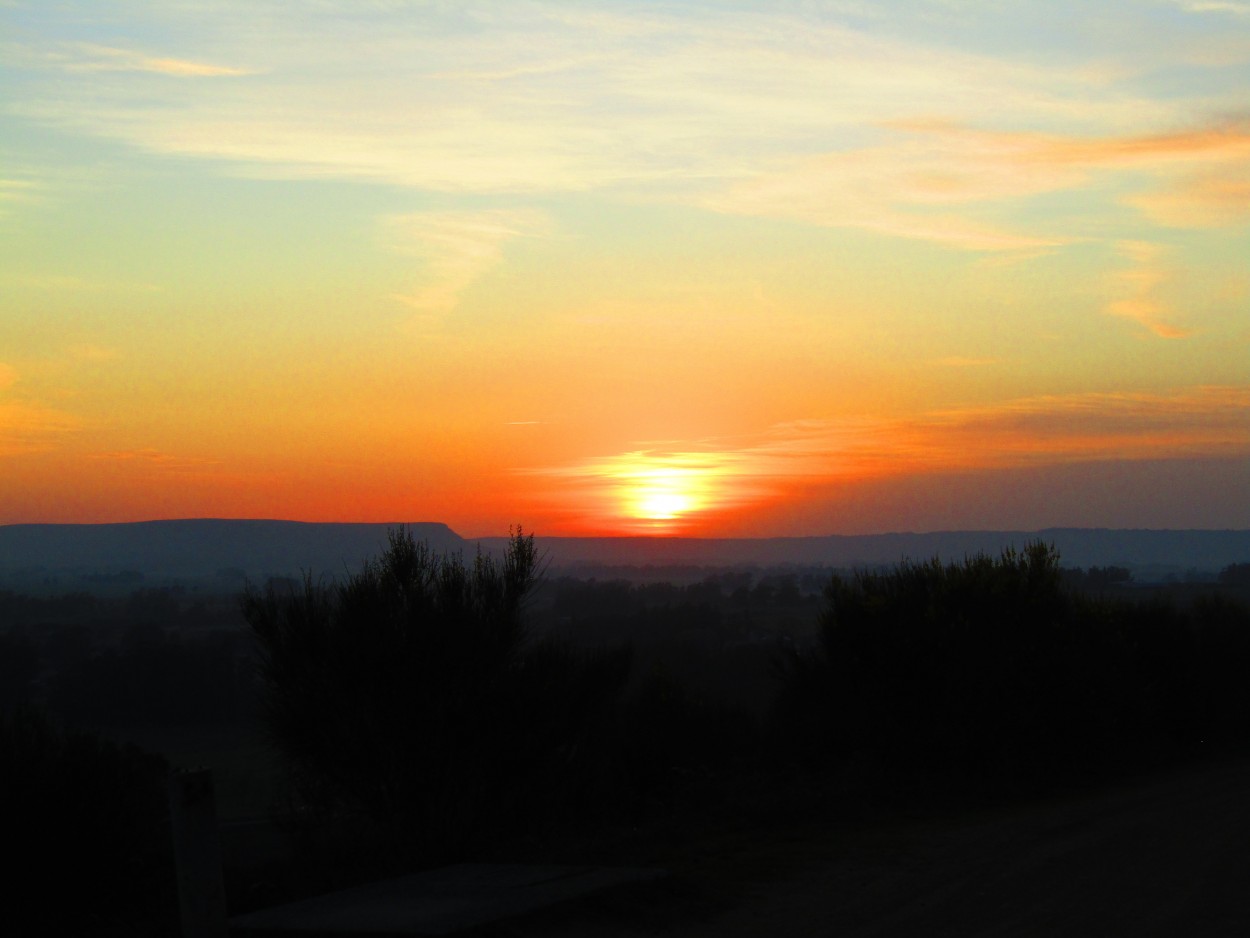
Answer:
(700, 268)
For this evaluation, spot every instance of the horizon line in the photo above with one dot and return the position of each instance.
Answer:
(624, 537)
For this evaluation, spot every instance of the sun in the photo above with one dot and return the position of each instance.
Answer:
(662, 505)
(661, 494)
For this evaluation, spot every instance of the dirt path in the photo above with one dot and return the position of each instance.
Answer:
(1168, 856)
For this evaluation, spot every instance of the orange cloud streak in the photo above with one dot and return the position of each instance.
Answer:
(1047, 430)
(893, 187)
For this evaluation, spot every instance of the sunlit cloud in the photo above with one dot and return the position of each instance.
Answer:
(89, 57)
(738, 111)
(864, 190)
(1230, 7)
(1216, 198)
(893, 188)
(661, 490)
(550, 98)
(28, 424)
(1136, 289)
(17, 190)
(453, 249)
(31, 186)
(1028, 431)
(1206, 421)
(656, 492)
(1201, 176)
(30, 427)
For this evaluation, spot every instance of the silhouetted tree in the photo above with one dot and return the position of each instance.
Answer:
(1098, 578)
(991, 666)
(947, 662)
(410, 694)
(934, 665)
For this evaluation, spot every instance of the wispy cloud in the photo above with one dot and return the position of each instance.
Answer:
(17, 190)
(880, 189)
(544, 97)
(1204, 421)
(1215, 197)
(32, 419)
(819, 116)
(1136, 289)
(31, 427)
(1033, 431)
(1229, 7)
(895, 187)
(453, 249)
(90, 57)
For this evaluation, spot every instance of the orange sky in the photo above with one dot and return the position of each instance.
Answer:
(703, 269)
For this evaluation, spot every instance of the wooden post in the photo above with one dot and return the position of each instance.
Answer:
(197, 854)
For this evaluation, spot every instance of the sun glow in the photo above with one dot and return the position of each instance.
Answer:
(655, 493)
(662, 494)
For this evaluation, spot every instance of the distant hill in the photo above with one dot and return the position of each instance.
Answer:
(1078, 547)
(202, 547)
(259, 549)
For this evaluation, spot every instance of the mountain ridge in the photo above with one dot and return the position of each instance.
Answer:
(200, 547)
(206, 546)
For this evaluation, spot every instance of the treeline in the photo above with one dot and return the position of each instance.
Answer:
(168, 656)
(1096, 578)
(412, 697)
(992, 668)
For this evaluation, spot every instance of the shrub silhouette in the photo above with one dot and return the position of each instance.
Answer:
(938, 664)
(86, 829)
(990, 666)
(411, 696)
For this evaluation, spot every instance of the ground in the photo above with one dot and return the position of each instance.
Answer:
(1166, 855)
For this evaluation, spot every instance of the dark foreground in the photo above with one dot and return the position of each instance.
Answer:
(1162, 856)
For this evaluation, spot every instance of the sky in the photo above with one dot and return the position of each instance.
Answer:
(711, 269)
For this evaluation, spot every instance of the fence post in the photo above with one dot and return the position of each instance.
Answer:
(197, 854)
